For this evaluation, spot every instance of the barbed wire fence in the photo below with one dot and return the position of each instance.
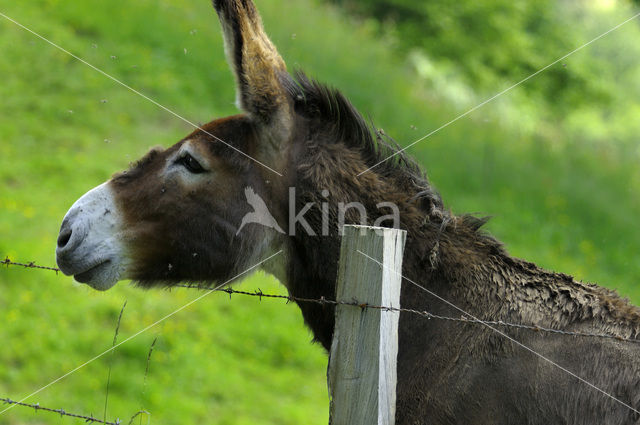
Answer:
(324, 301)
(90, 418)
(7, 262)
(62, 412)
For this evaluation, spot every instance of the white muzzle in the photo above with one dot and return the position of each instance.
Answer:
(89, 246)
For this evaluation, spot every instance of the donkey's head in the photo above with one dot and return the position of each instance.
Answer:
(176, 214)
(186, 213)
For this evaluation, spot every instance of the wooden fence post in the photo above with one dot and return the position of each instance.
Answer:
(362, 371)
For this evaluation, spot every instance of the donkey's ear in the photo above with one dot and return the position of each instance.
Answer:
(254, 60)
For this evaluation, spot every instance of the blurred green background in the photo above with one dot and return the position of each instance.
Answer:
(554, 161)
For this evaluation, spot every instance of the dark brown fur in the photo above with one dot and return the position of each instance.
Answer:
(448, 373)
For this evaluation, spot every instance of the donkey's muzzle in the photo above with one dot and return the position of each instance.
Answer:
(88, 246)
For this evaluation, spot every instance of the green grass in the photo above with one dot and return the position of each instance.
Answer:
(564, 205)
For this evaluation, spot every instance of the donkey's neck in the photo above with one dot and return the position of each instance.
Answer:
(311, 274)
(429, 262)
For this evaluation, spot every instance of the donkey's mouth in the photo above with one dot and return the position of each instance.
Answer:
(98, 277)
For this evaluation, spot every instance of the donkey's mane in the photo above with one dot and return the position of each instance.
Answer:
(320, 102)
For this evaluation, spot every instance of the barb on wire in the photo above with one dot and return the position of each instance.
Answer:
(88, 419)
(30, 265)
(324, 301)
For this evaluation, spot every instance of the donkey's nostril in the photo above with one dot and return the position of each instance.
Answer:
(63, 238)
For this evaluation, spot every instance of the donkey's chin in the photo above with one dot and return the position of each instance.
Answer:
(100, 277)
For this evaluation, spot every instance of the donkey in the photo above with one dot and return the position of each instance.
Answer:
(177, 215)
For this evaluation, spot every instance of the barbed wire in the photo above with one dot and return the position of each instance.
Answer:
(31, 265)
(324, 301)
(88, 419)
(463, 319)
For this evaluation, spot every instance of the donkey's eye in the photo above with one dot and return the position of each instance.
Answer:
(190, 164)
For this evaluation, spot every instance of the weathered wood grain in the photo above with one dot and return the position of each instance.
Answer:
(362, 364)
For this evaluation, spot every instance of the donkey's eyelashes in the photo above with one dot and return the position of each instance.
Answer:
(190, 164)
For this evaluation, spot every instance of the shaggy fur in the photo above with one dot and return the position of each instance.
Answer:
(184, 228)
